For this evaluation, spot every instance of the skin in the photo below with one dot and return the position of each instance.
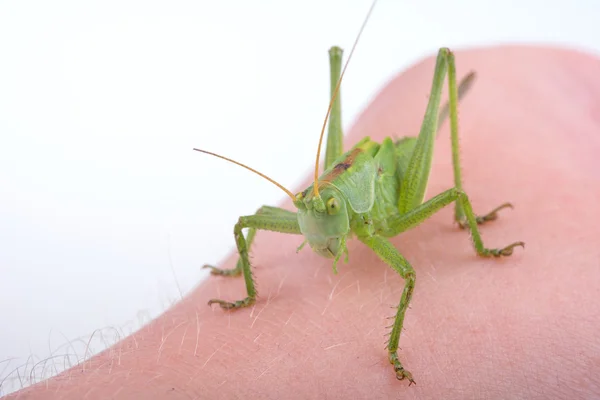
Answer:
(524, 326)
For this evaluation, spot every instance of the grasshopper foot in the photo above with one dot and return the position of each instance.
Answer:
(491, 216)
(506, 251)
(248, 301)
(401, 373)
(237, 271)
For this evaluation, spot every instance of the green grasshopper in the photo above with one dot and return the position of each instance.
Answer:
(373, 192)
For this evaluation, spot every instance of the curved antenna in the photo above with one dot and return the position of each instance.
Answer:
(273, 181)
(335, 93)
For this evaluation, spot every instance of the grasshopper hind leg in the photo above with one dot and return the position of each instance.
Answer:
(463, 214)
(450, 109)
(461, 219)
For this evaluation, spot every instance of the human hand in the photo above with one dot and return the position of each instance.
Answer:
(524, 326)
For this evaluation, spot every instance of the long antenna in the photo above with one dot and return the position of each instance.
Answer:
(335, 93)
(280, 186)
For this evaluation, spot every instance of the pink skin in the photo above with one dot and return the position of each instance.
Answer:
(526, 326)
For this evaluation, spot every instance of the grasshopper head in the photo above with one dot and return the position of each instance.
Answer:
(323, 220)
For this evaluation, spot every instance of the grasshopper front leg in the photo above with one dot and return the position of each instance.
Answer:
(388, 254)
(237, 271)
(282, 222)
(393, 258)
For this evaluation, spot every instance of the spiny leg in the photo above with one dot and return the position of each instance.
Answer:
(416, 176)
(454, 96)
(277, 223)
(463, 88)
(335, 136)
(405, 145)
(388, 253)
(237, 271)
(392, 257)
(422, 212)
(480, 219)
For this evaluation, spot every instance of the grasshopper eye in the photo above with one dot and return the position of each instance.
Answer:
(333, 206)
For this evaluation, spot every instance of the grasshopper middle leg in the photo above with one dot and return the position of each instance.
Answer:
(414, 217)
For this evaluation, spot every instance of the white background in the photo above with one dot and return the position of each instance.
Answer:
(105, 209)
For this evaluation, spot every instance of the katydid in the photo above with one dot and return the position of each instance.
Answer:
(372, 192)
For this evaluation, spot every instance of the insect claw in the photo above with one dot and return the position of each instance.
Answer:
(490, 216)
(508, 250)
(301, 246)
